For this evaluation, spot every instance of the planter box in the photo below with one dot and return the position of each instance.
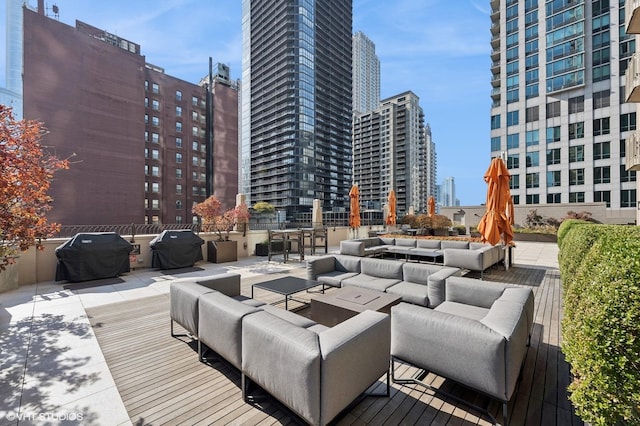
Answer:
(222, 251)
(541, 238)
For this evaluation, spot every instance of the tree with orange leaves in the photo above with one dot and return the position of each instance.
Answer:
(213, 218)
(25, 177)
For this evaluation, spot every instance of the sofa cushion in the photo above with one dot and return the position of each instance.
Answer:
(473, 292)
(370, 282)
(444, 244)
(387, 241)
(335, 278)
(462, 310)
(418, 273)
(428, 244)
(382, 268)
(352, 248)
(418, 294)
(347, 264)
(405, 242)
(292, 317)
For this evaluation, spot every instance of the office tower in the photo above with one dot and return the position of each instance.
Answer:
(391, 151)
(632, 91)
(432, 164)
(296, 103)
(366, 74)
(136, 132)
(557, 113)
(447, 193)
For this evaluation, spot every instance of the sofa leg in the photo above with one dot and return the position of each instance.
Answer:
(413, 381)
(173, 333)
(505, 413)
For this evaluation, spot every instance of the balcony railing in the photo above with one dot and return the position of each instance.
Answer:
(632, 152)
(632, 79)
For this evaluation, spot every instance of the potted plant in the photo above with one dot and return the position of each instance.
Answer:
(27, 171)
(214, 219)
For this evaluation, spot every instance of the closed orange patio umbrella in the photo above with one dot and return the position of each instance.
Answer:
(496, 222)
(354, 207)
(391, 218)
(431, 206)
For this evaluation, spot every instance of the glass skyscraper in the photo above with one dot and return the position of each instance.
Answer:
(296, 103)
(558, 114)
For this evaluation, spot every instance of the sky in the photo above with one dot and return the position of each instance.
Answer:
(438, 49)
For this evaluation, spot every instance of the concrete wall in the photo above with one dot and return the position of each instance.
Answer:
(472, 214)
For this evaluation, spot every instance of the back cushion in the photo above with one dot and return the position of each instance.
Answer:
(347, 264)
(382, 268)
(476, 246)
(454, 244)
(405, 242)
(428, 244)
(388, 241)
(417, 273)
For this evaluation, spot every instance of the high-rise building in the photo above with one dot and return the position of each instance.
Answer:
(11, 92)
(392, 149)
(558, 114)
(632, 92)
(137, 135)
(366, 74)
(296, 103)
(447, 193)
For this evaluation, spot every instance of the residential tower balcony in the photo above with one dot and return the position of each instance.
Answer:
(632, 152)
(632, 79)
(632, 16)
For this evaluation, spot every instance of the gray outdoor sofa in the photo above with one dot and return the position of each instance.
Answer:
(314, 370)
(478, 336)
(457, 254)
(418, 283)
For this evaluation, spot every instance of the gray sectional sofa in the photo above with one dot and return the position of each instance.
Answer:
(418, 283)
(478, 336)
(314, 370)
(457, 254)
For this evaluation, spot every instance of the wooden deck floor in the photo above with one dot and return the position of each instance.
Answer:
(162, 382)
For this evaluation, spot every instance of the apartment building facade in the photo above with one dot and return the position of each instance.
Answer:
(558, 115)
(366, 74)
(392, 149)
(296, 103)
(135, 135)
(632, 91)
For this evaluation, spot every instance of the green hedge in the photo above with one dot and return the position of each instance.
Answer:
(565, 226)
(600, 270)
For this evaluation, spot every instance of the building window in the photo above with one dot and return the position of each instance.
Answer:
(146, 119)
(178, 142)
(155, 187)
(155, 220)
(495, 143)
(513, 141)
(576, 153)
(155, 104)
(194, 190)
(178, 126)
(146, 102)
(146, 136)
(602, 197)
(155, 204)
(178, 173)
(155, 88)
(513, 96)
(155, 154)
(155, 121)
(553, 156)
(576, 130)
(532, 137)
(178, 111)
(178, 204)
(512, 118)
(194, 115)
(514, 182)
(195, 145)
(627, 122)
(532, 114)
(179, 220)
(155, 138)
(194, 100)
(155, 171)
(495, 122)
(601, 150)
(553, 179)
(601, 73)
(576, 177)
(601, 99)
(601, 126)
(178, 158)
(576, 197)
(628, 198)
(178, 95)
(195, 131)
(553, 198)
(146, 169)
(553, 134)
(513, 161)
(602, 174)
(533, 199)
(576, 104)
(533, 180)
(533, 159)
(623, 147)
(194, 175)
(146, 85)
(627, 175)
(178, 189)
(194, 161)
(553, 109)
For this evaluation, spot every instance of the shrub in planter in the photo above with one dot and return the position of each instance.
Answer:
(602, 321)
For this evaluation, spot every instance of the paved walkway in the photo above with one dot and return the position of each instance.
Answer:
(51, 367)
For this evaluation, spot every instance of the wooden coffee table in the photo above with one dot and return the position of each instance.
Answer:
(332, 308)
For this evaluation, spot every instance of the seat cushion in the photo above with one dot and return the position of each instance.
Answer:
(335, 278)
(370, 282)
(460, 309)
(411, 292)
